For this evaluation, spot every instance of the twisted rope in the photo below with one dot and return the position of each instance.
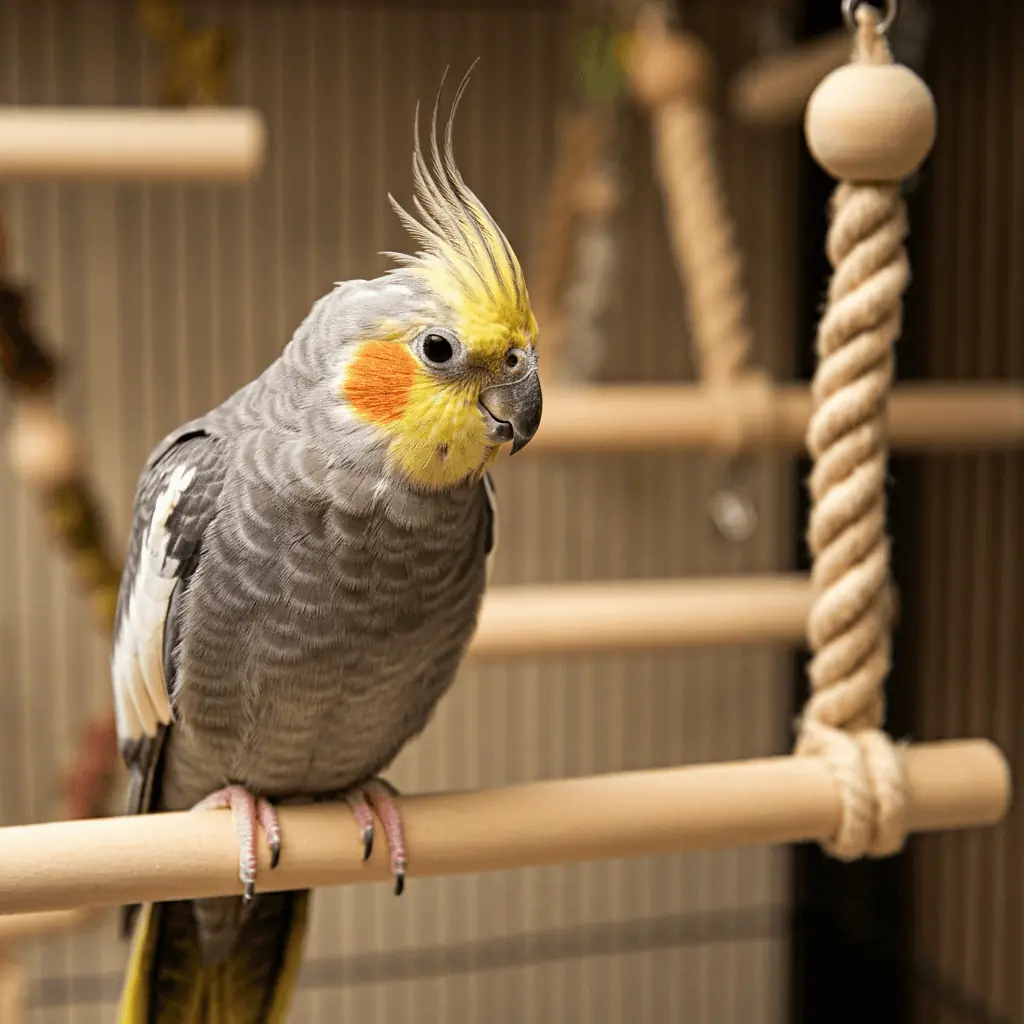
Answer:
(45, 453)
(670, 72)
(703, 240)
(849, 625)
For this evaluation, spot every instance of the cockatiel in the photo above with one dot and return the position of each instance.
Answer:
(306, 566)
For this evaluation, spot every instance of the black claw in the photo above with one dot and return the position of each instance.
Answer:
(399, 882)
(275, 854)
(250, 891)
(367, 838)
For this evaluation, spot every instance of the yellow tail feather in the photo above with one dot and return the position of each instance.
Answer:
(167, 982)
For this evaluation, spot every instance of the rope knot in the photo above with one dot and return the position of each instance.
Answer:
(849, 628)
(868, 769)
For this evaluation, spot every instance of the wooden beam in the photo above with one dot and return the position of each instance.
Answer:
(572, 618)
(774, 90)
(191, 854)
(207, 144)
(660, 417)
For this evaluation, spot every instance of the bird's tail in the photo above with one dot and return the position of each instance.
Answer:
(167, 981)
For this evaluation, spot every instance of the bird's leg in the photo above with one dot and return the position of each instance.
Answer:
(248, 812)
(379, 795)
(364, 819)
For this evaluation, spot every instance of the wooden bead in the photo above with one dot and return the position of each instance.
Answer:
(663, 68)
(597, 194)
(42, 448)
(870, 122)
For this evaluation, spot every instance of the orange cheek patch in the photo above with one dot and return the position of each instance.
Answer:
(378, 380)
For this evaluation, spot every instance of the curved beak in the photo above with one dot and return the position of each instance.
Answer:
(512, 411)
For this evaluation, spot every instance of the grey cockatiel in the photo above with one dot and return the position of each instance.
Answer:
(306, 566)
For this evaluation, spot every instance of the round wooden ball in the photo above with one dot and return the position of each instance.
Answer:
(41, 447)
(870, 122)
(663, 68)
(597, 194)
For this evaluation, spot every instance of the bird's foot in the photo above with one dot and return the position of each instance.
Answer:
(248, 812)
(378, 795)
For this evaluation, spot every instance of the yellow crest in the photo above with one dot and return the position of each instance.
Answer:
(466, 258)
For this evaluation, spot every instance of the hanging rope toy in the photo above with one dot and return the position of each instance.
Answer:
(670, 73)
(868, 124)
(46, 455)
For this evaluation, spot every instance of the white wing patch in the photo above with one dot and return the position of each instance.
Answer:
(140, 689)
(492, 501)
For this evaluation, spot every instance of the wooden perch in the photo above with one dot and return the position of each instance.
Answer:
(774, 90)
(652, 417)
(528, 621)
(566, 619)
(127, 143)
(635, 814)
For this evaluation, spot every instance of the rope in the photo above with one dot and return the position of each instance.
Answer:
(45, 453)
(702, 238)
(849, 625)
(198, 64)
(671, 75)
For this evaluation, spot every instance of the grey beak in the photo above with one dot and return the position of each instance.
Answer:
(512, 411)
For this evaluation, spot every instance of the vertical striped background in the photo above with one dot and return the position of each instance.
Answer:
(969, 896)
(162, 299)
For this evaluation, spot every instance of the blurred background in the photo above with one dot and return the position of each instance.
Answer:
(156, 300)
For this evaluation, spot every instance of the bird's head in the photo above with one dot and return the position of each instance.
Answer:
(446, 369)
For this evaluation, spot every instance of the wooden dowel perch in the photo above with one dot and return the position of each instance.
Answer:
(528, 621)
(774, 90)
(146, 144)
(651, 417)
(635, 814)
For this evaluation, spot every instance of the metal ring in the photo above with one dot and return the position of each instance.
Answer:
(890, 9)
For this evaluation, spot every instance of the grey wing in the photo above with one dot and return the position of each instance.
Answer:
(177, 498)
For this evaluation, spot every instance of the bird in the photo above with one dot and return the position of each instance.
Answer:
(304, 574)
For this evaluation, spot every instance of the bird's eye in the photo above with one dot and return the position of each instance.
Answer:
(512, 360)
(437, 349)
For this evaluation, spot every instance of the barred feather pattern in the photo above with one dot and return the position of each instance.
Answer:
(322, 604)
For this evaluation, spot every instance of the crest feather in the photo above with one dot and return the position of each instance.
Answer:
(465, 255)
